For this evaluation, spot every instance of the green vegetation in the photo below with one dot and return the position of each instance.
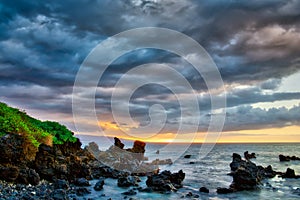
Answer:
(13, 120)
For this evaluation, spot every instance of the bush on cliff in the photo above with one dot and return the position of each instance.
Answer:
(14, 121)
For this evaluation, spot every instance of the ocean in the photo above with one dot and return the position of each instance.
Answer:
(211, 171)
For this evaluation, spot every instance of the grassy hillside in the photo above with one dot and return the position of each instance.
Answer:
(13, 120)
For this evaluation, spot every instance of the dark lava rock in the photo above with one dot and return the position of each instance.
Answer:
(118, 143)
(246, 175)
(139, 149)
(93, 148)
(61, 184)
(128, 181)
(166, 181)
(9, 173)
(283, 158)
(81, 191)
(28, 176)
(130, 192)
(187, 156)
(249, 156)
(224, 190)
(204, 190)
(81, 182)
(290, 173)
(59, 194)
(99, 185)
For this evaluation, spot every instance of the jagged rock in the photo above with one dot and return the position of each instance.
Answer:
(224, 190)
(28, 176)
(93, 148)
(187, 156)
(162, 162)
(9, 173)
(129, 192)
(118, 143)
(99, 185)
(61, 184)
(166, 181)
(82, 182)
(283, 158)
(59, 194)
(81, 191)
(290, 173)
(246, 175)
(204, 190)
(128, 181)
(249, 156)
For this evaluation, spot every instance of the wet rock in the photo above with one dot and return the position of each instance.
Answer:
(130, 192)
(128, 181)
(99, 185)
(204, 190)
(162, 162)
(224, 190)
(81, 191)
(9, 173)
(93, 148)
(249, 156)
(290, 173)
(166, 181)
(187, 156)
(118, 143)
(284, 158)
(82, 182)
(138, 149)
(61, 184)
(59, 194)
(244, 179)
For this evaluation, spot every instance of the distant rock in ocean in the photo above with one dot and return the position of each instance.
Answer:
(283, 158)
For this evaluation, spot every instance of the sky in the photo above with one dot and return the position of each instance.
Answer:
(254, 44)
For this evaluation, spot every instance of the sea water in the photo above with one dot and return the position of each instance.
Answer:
(211, 171)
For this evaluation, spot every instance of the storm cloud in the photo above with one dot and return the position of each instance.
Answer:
(255, 45)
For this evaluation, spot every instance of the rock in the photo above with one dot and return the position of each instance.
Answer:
(246, 175)
(81, 191)
(283, 158)
(157, 152)
(290, 173)
(128, 181)
(236, 161)
(204, 190)
(99, 185)
(224, 190)
(61, 184)
(129, 192)
(93, 148)
(10, 173)
(187, 156)
(166, 181)
(249, 156)
(118, 143)
(244, 179)
(190, 194)
(138, 149)
(162, 162)
(82, 182)
(59, 194)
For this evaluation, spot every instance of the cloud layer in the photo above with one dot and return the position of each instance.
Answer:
(255, 45)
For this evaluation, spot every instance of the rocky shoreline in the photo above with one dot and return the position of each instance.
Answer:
(68, 171)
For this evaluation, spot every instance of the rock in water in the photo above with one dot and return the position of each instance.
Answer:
(61, 184)
(166, 181)
(224, 190)
(82, 182)
(187, 156)
(128, 181)
(118, 143)
(204, 190)
(290, 173)
(99, 185)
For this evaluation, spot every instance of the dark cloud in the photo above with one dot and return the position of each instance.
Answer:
(254, 44)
